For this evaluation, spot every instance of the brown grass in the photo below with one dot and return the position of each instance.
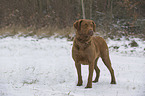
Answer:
(56, 32)
(44, 32)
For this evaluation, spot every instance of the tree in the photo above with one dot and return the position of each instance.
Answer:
(83, 9)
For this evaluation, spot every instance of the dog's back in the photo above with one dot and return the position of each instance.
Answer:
(101, 45)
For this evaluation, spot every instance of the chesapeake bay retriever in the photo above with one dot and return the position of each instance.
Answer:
(87, 49)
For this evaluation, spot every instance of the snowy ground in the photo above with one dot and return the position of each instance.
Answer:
(31, 67)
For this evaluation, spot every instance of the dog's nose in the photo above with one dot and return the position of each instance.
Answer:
(91, 32)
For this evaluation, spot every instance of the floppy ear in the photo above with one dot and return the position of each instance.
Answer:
(94, 26)
(77, 24)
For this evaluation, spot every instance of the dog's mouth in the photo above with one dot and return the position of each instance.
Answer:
(91, 32)
(83, 37)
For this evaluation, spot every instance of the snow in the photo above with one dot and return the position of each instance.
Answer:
(125, 48)
(44, 67)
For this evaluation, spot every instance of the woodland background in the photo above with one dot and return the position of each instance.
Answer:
(44, 18)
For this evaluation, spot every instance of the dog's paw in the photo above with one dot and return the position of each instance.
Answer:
(95, 81)
(79, 84)
(88, 87)
(113, 82)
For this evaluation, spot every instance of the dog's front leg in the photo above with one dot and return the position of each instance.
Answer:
(78, 67)
(91, 69)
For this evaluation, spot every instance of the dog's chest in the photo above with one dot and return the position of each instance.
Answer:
(81, 57)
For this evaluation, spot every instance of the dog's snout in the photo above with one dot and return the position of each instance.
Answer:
(91, 32)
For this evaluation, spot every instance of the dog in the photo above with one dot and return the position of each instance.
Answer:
(87, 49)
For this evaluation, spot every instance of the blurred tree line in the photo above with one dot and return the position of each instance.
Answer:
(109, 15)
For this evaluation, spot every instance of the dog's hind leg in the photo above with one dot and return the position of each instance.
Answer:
(97, 71)
(107, 62)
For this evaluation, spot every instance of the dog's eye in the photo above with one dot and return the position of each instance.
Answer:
(86, 25)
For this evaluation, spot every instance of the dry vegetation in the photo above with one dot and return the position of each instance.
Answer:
(46, 18)
(44, 32)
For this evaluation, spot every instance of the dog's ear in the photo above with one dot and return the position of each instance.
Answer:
(77, 24)
(94, 26)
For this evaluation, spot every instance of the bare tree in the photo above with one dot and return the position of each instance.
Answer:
(91, 2)
(83, 10)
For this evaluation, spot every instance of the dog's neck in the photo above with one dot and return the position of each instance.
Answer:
(83, 38)
(82, 43)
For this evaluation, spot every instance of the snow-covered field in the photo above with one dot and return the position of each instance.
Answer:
(44, 67)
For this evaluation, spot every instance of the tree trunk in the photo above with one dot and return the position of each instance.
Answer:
(83, 10)
(90, 9)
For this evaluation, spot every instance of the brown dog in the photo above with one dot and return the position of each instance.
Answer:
(87, 49)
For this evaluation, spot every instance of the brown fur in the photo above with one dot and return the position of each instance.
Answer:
(87, 49)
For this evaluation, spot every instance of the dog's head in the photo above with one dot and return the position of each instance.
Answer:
(85, 27)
